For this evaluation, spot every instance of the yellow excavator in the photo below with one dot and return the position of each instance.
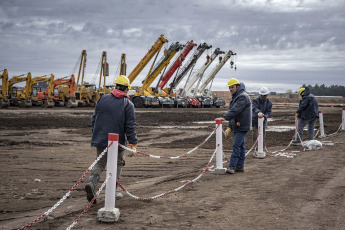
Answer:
(18, 96)
(38, 98)
(85, 93)
(4, 102)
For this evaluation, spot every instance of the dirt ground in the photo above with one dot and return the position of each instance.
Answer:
(43, 153)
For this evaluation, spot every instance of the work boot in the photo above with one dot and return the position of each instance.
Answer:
(90, 187)
(118, 196)
(239, 169)
(230, 170)
(296, 142)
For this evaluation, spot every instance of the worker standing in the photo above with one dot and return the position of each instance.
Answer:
(307, 113)
(261, 107)
(239, 117)
(114, 113)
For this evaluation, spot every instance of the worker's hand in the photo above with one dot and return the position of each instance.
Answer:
(227, 132)
(134, 148)
(297, 114)
(260, 114)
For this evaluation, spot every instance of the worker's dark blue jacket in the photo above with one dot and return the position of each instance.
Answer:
(264, 107)
(114, 113)
(308, 106)
(239, 113)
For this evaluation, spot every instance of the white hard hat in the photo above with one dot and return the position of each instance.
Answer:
(264, 91)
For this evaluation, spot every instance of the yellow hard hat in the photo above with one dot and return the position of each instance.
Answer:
(301, 90)
(123, 80)
(233, 81)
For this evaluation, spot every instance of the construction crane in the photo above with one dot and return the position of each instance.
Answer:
(188, 66)
(154, 50)
(145, 95)
(188, 91)
(104, 72)
(4, 103)
(20, 97)
(33, 91)
(202, 91)
(177, 63)
(85, 93)
(123, 65)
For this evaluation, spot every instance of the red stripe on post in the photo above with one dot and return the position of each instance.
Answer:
(219, 121)
(320, 111)
(343, 108)
(113, 137)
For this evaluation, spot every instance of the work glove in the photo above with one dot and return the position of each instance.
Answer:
(227, 132)
(297, 114)
(134, 148)
(260, 114)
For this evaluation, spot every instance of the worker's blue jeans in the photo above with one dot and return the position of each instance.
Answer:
(311, 126)
(238, 151)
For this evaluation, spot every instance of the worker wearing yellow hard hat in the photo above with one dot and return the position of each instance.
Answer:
(239, 117)
(114, 113)
(307, 113)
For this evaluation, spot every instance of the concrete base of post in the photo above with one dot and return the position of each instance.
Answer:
(108, 215)
(260, 155)
(220, 171)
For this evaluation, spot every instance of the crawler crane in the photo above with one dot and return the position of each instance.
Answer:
(4, 102)
(207, 93)
(145, 96)
(20, 97)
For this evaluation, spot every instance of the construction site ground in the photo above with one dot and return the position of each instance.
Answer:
(43, 153)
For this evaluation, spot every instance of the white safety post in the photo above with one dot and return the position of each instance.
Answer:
(296, 128)
(322, 129)
(343, 121)
(260, 153)
(219, 145)
(109, 213)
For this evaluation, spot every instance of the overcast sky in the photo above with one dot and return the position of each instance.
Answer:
(280, 44)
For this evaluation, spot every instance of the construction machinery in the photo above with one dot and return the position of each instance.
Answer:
(164, 79)
(38, 98)
(123, 65)
(145, 96)
(85, 93)
(4, 102)
(64, 89)
(189, 92)
(157, 46)
(207, 93)
(18, 96)
(104, 72)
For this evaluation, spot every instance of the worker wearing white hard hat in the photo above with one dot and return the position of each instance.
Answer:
(261, 107)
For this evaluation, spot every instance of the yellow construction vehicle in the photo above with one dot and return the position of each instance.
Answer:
(146, 95)
(18, 96)
(157, 46)
(85, 93)
(123, 65)
(64, 89)
(104, 72)
(38, 98)
(4, 102)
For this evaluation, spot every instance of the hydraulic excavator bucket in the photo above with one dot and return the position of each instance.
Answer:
(49, 103)
(72, 104)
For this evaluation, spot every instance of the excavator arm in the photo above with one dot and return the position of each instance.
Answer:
(4, 92)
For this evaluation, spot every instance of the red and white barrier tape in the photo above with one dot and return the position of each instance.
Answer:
(90, 203)
(174, 190)
(68, 193)
(167, 157)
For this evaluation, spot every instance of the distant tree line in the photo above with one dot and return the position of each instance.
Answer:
(322, 90)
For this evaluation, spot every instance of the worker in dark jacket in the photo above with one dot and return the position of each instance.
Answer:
(307, 113)
(114, 113)
(240, 119)
(261, 107)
